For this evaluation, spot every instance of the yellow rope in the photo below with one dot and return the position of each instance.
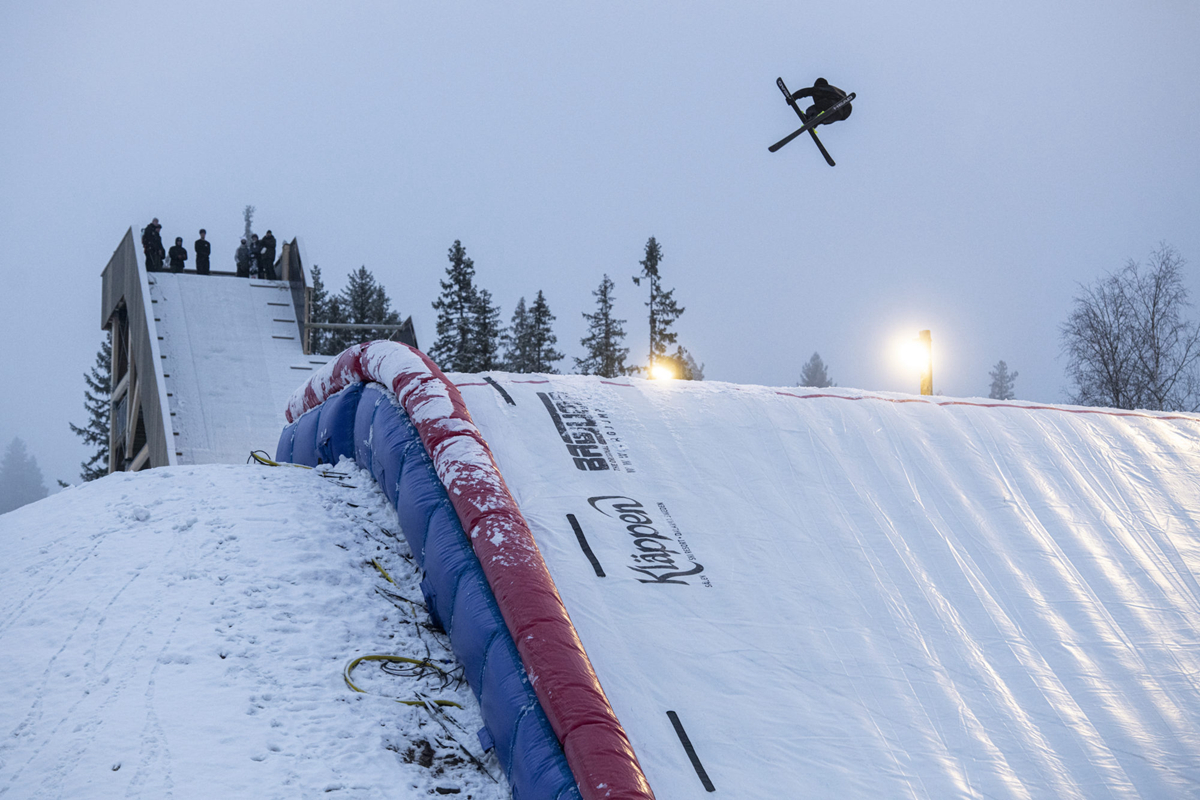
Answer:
(395, 660)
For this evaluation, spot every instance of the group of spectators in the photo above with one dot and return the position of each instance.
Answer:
(255, 258)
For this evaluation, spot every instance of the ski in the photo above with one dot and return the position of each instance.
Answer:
(788, 96)
(812, 122)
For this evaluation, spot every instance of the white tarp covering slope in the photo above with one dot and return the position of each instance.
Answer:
(182, 631)
(231, 357)
(870, 599)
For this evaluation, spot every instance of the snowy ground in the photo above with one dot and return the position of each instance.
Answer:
(182, 632)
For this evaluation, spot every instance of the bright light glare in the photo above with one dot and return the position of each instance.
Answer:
(662, 372)
(914, 355)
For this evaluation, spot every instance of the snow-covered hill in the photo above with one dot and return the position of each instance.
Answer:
(182, 632)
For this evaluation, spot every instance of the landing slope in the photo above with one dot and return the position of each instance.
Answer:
(845, 596)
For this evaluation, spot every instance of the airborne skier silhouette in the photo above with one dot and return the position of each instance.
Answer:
(829, 104)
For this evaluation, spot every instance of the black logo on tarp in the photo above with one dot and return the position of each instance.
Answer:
(587, 433)
(654, 559)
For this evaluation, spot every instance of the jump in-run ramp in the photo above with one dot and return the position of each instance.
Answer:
(782, 593)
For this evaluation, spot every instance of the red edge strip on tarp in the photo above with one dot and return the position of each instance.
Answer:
(595, 744)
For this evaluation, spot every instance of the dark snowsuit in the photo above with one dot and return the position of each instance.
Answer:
(152, 246)
(178, 255)
(824, 96)
(203, 248)
(266, 261)
(243, 260)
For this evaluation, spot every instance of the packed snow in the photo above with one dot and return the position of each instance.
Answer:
(850, 596)
(231, 356)
(183, 631)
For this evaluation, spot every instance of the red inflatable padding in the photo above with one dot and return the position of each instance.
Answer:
(595, 744)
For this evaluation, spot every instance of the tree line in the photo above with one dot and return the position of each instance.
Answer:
(472, 336)
(1129, 339)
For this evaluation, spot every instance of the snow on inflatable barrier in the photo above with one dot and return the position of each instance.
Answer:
(486, 583)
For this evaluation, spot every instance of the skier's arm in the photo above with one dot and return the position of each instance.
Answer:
(796, 95)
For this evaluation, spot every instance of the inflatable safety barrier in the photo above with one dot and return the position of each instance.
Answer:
(391, 409)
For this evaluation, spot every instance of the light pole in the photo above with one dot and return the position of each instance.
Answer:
(925, 342)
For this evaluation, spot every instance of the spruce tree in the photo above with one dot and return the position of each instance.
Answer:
(362, 302)
(664, 311)
(485, 325)
(686, 368)
(517, 355)
(248, 218)
(605, 355)
(1002, 382)
(20, 478)
(319, 311)
(454, 349)
(96, 401)
(814, 373)
(542, 355)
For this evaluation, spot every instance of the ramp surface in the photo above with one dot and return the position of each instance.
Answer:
(845, 596)
(232, 356)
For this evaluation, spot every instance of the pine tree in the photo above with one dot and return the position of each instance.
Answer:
(20, 478)
(319, 311)
(362, 302)
(663, 309)
(542, 355)
(96, 401)
(454, 349)
(814, 373)
(485, 326)
(517, 355)
(605, 356)
(1002, 382)
(248, 218)
(686, 368)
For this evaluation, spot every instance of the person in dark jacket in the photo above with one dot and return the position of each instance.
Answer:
(266, 259)
(242, 258)
(152, 245)
(202, 248)
(178, 255)
(824, 96)
(255, 252)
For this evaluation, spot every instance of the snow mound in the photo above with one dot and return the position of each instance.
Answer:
(183, 632)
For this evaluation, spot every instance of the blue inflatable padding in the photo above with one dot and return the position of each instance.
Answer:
(335, 430)
(445, 562)
(420, 486)
(365, 423)
(472, 601)
(362, 425)
(304, 445)
(536, 770)
(283, 450)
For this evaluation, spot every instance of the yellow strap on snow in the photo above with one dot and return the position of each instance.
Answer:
(396, 660)
(261, 457)
(383, 572)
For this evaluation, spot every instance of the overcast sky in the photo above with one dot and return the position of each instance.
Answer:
(998, 155)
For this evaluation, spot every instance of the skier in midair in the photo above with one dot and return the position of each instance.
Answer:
(824, 96)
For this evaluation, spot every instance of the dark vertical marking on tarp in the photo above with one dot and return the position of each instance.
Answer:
(691, 751)
(583, 543)
(500, 389)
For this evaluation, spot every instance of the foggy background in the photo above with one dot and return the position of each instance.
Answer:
(997, 156)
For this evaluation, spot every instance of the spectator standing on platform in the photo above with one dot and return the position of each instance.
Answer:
(203, 248)
(266, 261)
(178, 255)
(243, 260)
(255, 252)
(152, 245)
